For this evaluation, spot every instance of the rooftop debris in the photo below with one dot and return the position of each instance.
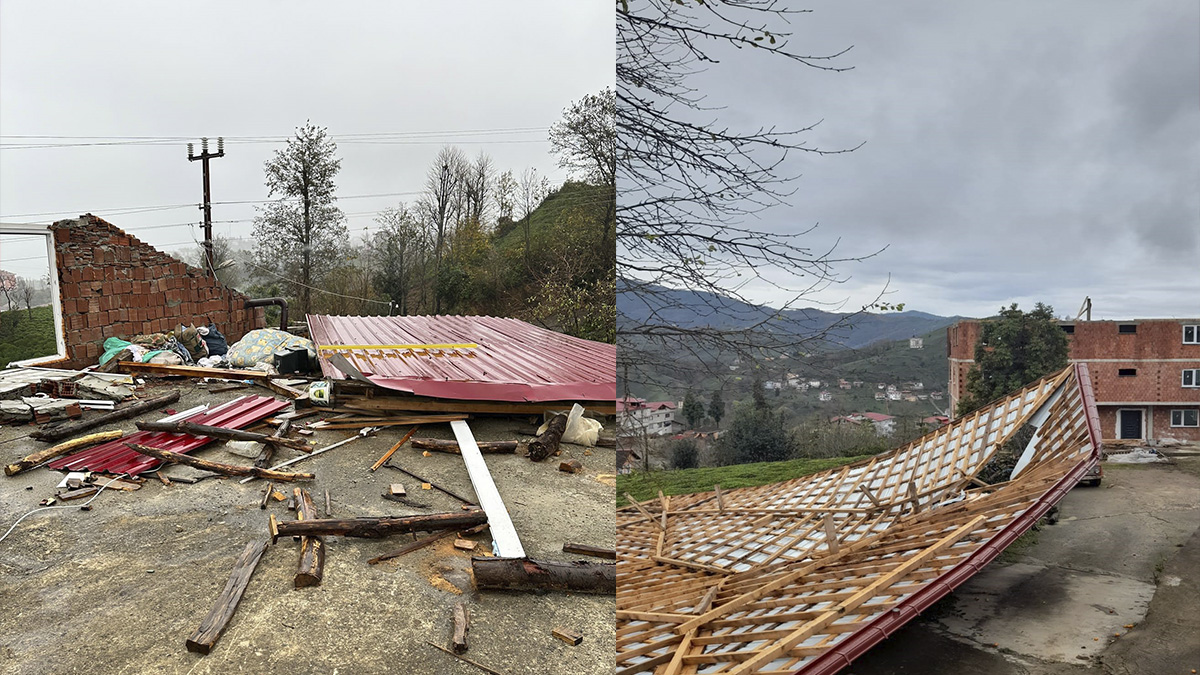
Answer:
(507, 543)
(525, 574)
(121, 412)
(217, 467)
(61, 449)
(214, 624)
(805, 575)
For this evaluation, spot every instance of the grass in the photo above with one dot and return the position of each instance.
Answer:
(644, 485)
(25, 336)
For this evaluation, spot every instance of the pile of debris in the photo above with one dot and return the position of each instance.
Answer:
(279, 427)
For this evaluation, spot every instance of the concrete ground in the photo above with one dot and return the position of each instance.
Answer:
(1113, 587)
(119, 588)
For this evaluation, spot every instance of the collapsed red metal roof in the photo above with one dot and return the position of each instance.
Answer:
(803, 576)
(117, 457)
(507, 360)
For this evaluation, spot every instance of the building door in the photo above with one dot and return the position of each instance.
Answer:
(1130, 424)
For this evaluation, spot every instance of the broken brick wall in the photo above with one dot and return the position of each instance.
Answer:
(112, 285)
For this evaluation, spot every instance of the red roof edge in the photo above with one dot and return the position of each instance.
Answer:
(834, 659)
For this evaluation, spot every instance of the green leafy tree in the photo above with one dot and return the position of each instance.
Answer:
(1014, 349)
(755, 434)
(693, 410)
(301, 232)
(685, 454)
(716, 407)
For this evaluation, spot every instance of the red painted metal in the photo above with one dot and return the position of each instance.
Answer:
(856, 644)
(514, 361)
(117, 457)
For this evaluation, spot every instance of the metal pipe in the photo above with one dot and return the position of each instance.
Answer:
(283, 308)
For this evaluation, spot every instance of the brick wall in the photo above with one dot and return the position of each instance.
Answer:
(112, 285)
(1155, 419)
(1155, 352)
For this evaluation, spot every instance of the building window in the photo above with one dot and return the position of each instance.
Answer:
(1191, 335)
(1191, 377)
(1126, 372)
(1127, 328)
(1186, 417)
(1068, 328)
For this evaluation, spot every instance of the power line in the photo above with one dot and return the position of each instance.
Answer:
(378, 138)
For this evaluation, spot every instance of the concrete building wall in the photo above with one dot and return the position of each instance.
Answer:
(113, 285)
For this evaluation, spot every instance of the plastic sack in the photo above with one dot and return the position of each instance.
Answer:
(112, 347)
(580, 430)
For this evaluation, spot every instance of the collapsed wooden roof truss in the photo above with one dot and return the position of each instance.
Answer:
(802, 576)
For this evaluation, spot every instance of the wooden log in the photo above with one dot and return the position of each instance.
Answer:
(121, 412)
(375, 528)
(194, 429)
(584, 549)
(214, 624)
(312, 549)
(486, 447)
(266, 496)
(422, 543)
(524, 574)
(460, 628)
(547, 443)
(59, 450)
(217, 467)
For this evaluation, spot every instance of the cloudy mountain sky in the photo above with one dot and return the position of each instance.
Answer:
(1012, 152)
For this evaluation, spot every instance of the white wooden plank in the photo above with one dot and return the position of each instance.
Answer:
(505, 541)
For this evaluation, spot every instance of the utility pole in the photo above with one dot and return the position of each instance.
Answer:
(204, 156)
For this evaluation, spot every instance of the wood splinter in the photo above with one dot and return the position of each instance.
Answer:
(584, 549)
(566, 635)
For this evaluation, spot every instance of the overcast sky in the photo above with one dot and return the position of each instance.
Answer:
(1013, 152)
(260, 69)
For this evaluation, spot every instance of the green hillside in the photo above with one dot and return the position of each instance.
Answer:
(25, 336)
(644, 485)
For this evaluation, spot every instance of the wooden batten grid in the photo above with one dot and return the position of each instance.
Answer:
(772, 578)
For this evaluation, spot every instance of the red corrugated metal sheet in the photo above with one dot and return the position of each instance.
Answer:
(514, 361)
(117, 457)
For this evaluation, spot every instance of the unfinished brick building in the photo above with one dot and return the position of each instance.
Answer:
(1145, 373)
(110, 284)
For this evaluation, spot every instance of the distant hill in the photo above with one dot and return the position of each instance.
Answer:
(691, 309)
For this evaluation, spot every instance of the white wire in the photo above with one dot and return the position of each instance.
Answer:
(64, 506)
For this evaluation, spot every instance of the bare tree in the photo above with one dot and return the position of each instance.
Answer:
(224, 260)
(442, 201)
(688, 183)
(530, 192)
(25, 291)
(585, 140)
(396, 246)
(299, 233)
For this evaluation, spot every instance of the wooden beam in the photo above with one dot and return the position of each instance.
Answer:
(831, 536)
(214, 624)
(217, 467)
(459, 640)
(508, 544)
(388, 455)
(584, 549)
(222, 433)
(30, 461)
(192, 371)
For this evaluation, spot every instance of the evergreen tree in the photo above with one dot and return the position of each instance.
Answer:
(693, 410)
(716, 407)
(1013, 350)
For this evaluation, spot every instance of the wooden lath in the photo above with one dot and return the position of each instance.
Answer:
(770, 578)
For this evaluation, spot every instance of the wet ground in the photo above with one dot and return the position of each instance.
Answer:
(1113, 587)
(119, 588)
